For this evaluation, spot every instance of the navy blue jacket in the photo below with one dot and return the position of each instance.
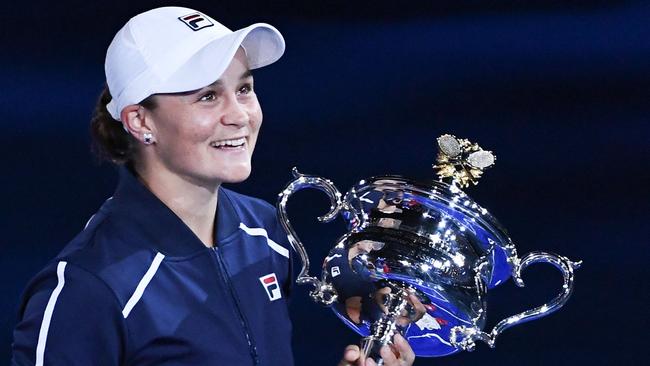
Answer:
(137, 287)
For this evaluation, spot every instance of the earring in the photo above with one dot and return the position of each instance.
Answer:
(148, 138)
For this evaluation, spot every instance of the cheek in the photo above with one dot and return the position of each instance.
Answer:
(199, 134)
(256, 123)
(185, 135)
(197, 127)
(256, 118)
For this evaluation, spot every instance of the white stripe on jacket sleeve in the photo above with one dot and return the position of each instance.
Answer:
(256, 231)
(49, 310)
(142, 285)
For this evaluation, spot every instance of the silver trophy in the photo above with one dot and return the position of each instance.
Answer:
(419, 258)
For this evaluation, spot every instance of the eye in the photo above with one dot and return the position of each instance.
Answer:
(245, 89)
(209, 96)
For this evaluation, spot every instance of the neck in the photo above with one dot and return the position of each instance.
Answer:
(193, 202)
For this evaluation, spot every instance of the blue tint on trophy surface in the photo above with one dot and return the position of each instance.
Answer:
(428, 240)
(443, 221)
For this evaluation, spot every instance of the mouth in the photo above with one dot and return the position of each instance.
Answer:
(229, 144)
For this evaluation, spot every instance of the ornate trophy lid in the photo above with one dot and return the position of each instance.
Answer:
(440, 211)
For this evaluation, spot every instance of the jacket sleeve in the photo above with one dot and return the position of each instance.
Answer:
(68, 316)
(283, 240)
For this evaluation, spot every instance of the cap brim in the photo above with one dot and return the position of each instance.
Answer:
(263, 44)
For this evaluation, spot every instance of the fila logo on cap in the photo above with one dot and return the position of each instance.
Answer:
(270, 283)
(196, 21)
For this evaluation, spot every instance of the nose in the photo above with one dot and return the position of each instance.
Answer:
(235, 113)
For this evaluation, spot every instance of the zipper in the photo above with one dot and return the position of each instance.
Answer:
(226, 279)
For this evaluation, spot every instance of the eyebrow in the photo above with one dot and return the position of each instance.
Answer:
(246, 74)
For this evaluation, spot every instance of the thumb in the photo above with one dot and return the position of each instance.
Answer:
(350, 355)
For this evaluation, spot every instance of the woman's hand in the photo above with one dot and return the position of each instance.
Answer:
(398, 354)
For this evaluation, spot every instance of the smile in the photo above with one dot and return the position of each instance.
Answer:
(225, 144)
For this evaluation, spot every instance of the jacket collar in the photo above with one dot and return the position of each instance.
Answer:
(144, 216)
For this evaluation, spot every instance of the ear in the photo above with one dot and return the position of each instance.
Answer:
(135, 121)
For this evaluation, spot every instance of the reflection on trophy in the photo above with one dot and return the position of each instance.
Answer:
(419, 258)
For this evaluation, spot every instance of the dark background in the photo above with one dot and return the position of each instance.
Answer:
(559, 90)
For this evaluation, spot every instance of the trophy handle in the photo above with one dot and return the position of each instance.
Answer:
(464, 337)
(323, 292)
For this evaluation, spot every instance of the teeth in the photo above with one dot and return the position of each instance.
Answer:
(234, 143)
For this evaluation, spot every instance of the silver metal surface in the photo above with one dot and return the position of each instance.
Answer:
(465, 337)
(322, 292)
(428, 237)
(383, 330)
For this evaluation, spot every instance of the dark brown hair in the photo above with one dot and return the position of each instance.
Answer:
(110, 141)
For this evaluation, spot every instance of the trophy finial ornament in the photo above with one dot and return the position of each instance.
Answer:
(461, 160)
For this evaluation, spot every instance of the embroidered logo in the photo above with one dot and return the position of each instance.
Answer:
(270, 283)
(336, 271)
(196, 21)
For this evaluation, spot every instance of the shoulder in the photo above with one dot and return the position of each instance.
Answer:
(63, 306)
(257, 216)
(65, 296)
(76, 283)
(242, 201)
(106, 254)
(251, 210)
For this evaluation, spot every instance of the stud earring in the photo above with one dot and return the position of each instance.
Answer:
(148, 138)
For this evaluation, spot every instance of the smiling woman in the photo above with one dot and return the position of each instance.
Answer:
(173, 269)
(165, 271)
(187, 141)
(207, 136)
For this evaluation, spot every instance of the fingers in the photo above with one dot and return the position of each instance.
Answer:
(406, 353)
(351, 356)
(351, 353)
(398, 354)
(389, 357)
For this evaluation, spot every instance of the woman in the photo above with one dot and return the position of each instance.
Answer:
(173, 269)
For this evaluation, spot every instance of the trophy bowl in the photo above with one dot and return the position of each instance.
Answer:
(418, 259)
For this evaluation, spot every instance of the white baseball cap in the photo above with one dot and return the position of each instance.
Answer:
(175, 49)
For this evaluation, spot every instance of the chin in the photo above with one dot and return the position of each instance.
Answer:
(235, 174)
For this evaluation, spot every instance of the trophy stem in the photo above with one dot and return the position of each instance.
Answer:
(382, 331)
